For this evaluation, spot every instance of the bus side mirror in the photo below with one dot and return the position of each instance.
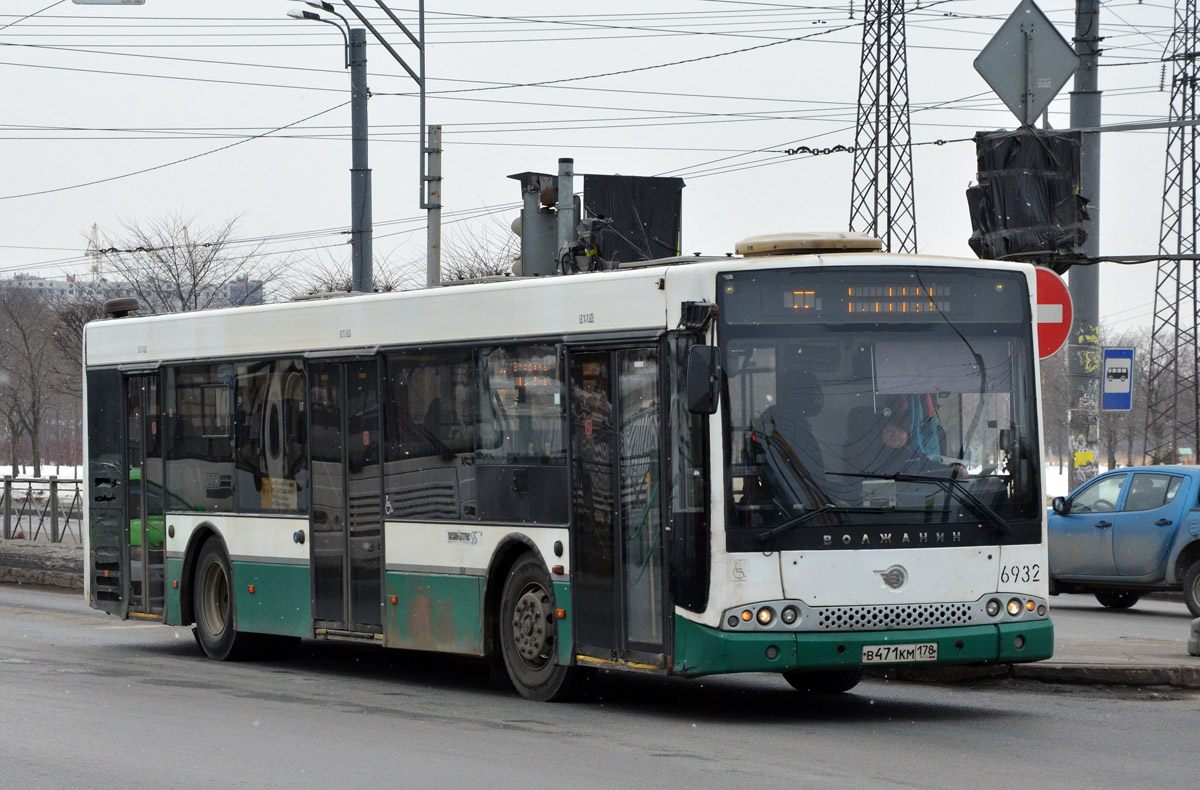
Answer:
(703, 379)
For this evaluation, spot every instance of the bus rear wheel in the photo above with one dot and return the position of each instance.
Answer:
(214, 605)
(824, 681)
(527, 631)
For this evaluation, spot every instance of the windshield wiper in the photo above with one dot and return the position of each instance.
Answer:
(951, 486)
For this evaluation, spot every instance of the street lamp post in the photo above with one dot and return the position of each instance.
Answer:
(361, 228)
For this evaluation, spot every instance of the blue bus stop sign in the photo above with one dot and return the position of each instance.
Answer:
(1116, 380)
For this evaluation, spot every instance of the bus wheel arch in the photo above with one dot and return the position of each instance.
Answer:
(187, 575)
(214, 604)
(527, 633)
(506, 555)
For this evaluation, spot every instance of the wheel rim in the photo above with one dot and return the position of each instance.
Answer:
(215, 599)
(1196, 589)
(531, 626)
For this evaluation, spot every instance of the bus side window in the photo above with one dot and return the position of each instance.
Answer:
(431, 433)
(521, 470)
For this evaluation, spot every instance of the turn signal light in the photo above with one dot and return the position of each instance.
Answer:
(1029, 606)
(747, 615)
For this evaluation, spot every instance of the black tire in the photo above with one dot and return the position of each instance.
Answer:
(1118, 600)
(215, 607)
(824, 681)
(273, 647)
(527, 632)
(1191, 588)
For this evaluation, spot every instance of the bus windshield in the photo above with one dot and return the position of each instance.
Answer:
(868, 405)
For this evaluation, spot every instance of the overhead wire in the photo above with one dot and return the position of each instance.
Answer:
(169, 164)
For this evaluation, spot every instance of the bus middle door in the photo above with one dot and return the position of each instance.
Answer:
(347, 538)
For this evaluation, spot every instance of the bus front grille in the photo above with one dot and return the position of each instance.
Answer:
(873, 618)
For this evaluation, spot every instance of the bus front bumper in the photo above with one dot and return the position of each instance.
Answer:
(700, 650)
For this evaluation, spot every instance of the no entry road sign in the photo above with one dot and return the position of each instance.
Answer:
(1054, 312)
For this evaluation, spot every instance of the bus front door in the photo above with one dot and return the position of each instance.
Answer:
(618, 584)
(347, 540)
(144, 497)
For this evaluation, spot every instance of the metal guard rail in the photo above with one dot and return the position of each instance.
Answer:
(41, 499)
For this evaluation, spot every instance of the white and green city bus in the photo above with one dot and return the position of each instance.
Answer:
(675, 467)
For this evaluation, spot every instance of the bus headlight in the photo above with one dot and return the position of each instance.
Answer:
(789, 615)
(766, 615)
(1015, 606)
(993, 607)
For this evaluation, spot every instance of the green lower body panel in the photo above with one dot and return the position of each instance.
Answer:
(564, 630)
(435, 612)
(700, 650)
(174, 614)
(281, 602)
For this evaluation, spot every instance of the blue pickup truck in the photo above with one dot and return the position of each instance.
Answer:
(1128, 532)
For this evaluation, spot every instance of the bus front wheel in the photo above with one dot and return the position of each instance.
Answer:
(824, 681)
(214, 606)
(527, 630)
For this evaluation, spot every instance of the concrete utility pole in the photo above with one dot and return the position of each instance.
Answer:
(1083, 344)
(362, 274)
(431, 196)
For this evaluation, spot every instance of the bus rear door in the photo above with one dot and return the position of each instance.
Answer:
(125, 489)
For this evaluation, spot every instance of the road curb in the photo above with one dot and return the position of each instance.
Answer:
(1187, 677)
(42, 578)
(44, 565)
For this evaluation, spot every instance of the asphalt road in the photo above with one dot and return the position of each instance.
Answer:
(87, 701)
(1083, 617)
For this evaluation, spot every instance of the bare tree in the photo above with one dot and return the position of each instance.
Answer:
(172, 266)
(1054, 405)
(71, 316)
(329, 275)
(479, 253)
(27, 367)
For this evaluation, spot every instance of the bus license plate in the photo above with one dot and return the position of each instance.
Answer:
(892, 654)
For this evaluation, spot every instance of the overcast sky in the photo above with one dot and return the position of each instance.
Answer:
(216, 109)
